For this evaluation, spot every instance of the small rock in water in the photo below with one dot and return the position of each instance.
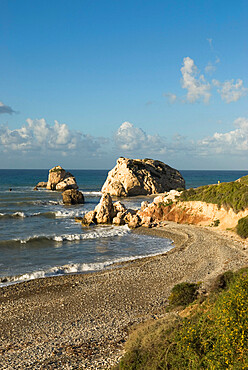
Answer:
(72, 196)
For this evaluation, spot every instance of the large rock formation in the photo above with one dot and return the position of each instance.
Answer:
(72, 196)
(141, 177)
(107, 212)
(59, 179)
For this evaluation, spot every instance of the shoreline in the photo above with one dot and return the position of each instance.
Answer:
(82, 320)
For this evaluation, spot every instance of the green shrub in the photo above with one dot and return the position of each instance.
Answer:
(229, 195)
(216, 337)
(183, 294)
(242, 227)
(216, 223)
(222, 281)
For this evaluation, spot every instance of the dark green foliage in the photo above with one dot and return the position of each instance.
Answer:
(56, 170)
(215, 336)
(183, 294)
(229, 195)
(216, 223)
(223, 281)
(180, 189)
(242, 227)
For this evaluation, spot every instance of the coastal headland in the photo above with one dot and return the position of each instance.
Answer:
(82, 321)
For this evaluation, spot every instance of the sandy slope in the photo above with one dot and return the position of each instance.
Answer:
(80, 321)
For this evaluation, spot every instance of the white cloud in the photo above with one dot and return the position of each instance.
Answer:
(211, 67)
(195, 84)
(5, 109)
(37, 135)
(130, 138)
(231, 91)
(232, 142)
(171, 97)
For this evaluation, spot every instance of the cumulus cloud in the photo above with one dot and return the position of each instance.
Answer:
(38, 135)
(232, 142)
(195, 84)
(130, 138)
(5, 109)
(230, 91)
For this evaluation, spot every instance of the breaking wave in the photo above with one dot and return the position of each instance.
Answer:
(19, 214)
(103, 232)
(73, 268)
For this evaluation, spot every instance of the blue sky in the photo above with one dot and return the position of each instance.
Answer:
(84, 82)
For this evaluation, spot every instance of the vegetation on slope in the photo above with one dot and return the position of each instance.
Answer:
(229, 195)
(214, 336)
(242, 227)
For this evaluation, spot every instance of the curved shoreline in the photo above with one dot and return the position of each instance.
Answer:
(81, 321)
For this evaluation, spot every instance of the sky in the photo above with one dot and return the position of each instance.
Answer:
(84, 82)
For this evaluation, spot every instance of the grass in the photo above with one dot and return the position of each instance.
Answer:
(214, 336)
(244, 180)
(229, 195)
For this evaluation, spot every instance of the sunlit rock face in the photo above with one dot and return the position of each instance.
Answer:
(59, 179)
(132, 177)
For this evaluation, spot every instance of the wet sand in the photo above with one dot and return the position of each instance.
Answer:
(82, 321)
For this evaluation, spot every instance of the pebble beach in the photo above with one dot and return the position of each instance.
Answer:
(81, 321)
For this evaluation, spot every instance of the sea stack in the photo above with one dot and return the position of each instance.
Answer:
(132, 177)
(59, 179)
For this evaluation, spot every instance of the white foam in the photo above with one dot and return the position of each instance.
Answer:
(92, 193)
(103, 232)
(69, 214)
(76, 268)
(19, 214)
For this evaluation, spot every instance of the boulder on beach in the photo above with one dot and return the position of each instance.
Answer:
(59, 179)
(72, 196)
(132, 177)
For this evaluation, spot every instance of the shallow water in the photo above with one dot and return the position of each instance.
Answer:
(39, 237)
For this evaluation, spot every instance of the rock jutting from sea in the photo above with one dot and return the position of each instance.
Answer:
(72, 196)
(58, 179)
(61, 180)
(132, 177)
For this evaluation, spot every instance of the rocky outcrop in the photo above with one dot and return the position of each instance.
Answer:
(141, 177)
(72, 196)
(41, 184)
(170, 208)
(59, 179)
(107, 212)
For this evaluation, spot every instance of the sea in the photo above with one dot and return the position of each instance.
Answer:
(40, 238)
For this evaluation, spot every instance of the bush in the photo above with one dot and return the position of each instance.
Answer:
(242, 227)
(216, 337)
(183, 294)
(229, 195)
(223, 281)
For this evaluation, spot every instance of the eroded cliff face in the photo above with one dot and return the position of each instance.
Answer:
(193, 212)
(141, 177)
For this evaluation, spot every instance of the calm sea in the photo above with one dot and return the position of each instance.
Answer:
(39, 237)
